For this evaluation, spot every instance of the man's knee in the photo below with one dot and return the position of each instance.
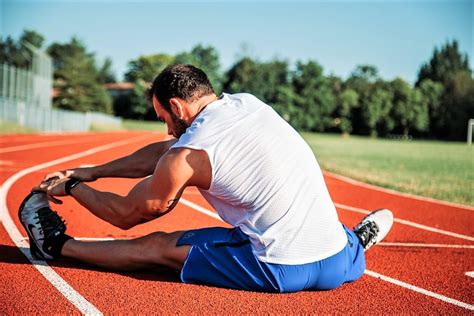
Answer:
(160, 248)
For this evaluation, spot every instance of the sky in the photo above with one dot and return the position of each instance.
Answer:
(395, 36)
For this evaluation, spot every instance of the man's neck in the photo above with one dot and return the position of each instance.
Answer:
(200, 104)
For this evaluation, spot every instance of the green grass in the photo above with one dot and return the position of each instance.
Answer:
(442, 170)
(12, 128)
(132, 125)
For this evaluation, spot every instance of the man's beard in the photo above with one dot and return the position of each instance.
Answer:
(180, 125)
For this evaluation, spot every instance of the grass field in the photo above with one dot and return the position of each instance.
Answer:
(131, 125)
(12, 128)
(442, 170)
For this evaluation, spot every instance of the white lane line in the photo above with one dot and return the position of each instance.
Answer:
(409, 223)
(55, 279)
(422, 245)
(412, 196)
(39, 145)
(420, 290)
(93, 238)
(200, 209)
(371, 273)
(470, 274)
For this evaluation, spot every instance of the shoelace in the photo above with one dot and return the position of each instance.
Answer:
(50, 221)
(367, 232)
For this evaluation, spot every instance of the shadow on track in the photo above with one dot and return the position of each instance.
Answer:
(13, 255)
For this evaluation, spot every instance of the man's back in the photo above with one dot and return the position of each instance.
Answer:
(266, 181)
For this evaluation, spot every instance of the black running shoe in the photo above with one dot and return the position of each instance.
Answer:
(374, 227)
(45, 228)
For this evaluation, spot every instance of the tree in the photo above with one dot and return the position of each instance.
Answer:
(409, 109)
(444, 64)
(147, 67)
(16, 53)
(264, 80)
(241, 77)
(313, 97)
(450, 68)
(32, 37)
(377, 108)
(139, 107)
(105, 74)
(346, 101)
(366, 73)
(432, 93)
(362, 80)
(77, 79)
(205, 58)
(459, 102)
(268, 81)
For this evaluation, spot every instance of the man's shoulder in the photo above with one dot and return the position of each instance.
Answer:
(188, 162)
(185, 155)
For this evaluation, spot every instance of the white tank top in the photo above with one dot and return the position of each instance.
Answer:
(266, 181)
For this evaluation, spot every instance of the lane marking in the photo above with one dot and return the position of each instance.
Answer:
(420, 290)
(394, 192)
(39, 145)
(201, 209)
(55, 279)
(409, 223)
(470, 274)
(42, 135)
(421, 245)
(371, 273)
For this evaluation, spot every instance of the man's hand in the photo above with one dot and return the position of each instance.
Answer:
(83, 174)
(54, 187)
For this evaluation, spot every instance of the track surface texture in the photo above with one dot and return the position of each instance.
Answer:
(423, 266)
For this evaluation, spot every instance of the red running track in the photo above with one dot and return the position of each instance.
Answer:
(422, 267)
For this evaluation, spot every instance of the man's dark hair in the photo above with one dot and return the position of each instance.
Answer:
(183, 81)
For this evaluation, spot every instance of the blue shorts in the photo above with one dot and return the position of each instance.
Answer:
(223, 257)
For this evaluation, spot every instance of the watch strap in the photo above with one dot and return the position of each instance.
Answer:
(70, 184)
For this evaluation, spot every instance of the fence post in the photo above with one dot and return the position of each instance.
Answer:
(469, 131)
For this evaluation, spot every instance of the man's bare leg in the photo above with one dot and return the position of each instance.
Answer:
(144, 252)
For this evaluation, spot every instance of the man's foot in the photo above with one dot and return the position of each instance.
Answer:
(374, 227)
(45, 228)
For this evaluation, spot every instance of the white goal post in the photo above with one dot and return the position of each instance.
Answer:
(470, 124)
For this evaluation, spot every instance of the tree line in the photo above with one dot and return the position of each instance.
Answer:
(438, 105)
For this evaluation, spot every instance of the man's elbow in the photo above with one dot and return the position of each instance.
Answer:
(123, 223)
(128, 220)
(123, 219)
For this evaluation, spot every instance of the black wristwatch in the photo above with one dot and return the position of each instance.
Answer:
(70, 184)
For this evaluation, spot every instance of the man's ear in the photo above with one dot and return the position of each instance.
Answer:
(176, 107)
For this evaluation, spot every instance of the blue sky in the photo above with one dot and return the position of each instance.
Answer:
(395, 36)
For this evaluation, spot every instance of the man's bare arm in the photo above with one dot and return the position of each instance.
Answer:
(151, 197)
(139, 164)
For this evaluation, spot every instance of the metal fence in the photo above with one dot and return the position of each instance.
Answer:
(25, 99)
(52, 120)
(25, 86)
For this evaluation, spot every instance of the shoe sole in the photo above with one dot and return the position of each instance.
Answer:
(34, 249)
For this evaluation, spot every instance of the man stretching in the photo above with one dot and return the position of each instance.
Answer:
(249, 164)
